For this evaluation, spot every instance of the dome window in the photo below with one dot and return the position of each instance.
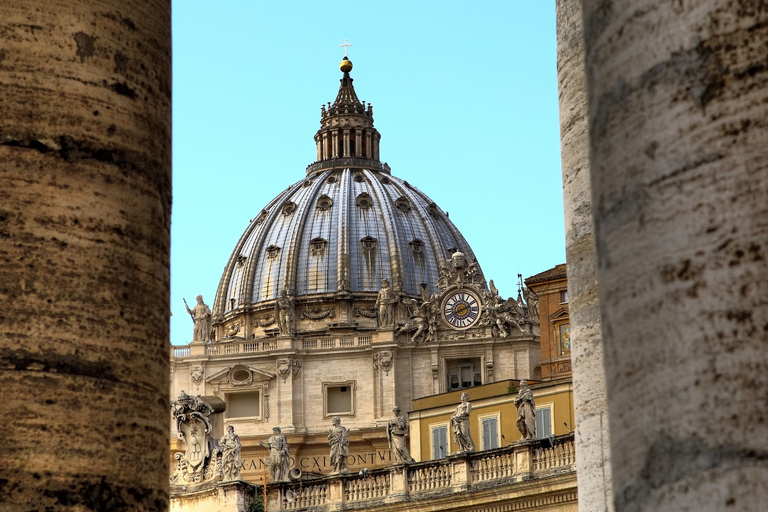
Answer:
(307, 183)
(288, 208)
(241, 261)
(368, 243)
(332, 179)
(262, 217)
(403, 204)
(417, 246)
(432, 210)
(385, 180)
(364, 201)
(317, 246)
(359, 178)
(272, 251)
(324, 203)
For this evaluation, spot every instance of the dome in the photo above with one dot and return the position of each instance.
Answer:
(334, 235)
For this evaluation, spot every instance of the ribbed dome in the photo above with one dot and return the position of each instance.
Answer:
(337, 233)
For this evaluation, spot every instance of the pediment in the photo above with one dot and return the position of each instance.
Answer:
(560, 314)
(239, 375)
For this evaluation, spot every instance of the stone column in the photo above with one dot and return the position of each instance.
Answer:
(346, 143)
(358, 143)
(590, 405)
(334, 144)
(85, 187)
(678, 138)
(368, 148)
(325, 146)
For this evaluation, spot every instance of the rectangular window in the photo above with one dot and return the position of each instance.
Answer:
(543, 422)
(439, 442)
(462, 374)
(243, 405)
(490, 429)
(339, 398)
(563, 297)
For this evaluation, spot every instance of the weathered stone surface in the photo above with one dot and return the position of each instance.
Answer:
(592, 435)
(677, 110)
(84, 229)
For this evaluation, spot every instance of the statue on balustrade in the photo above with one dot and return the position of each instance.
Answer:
(201, 316)
(338, 439)
(532, 304)
(285, 312)
(279, 461)
(419, 321)
(229, 446)
(397, 429)
(460, 426)
(526, 411)
(385, 304)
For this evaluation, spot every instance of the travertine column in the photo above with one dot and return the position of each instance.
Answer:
(592, 441)
(85, 196)
(678, 134)
(335, 144)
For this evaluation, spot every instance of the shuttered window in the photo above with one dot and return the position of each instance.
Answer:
(490, 433)
(543, 422)
(439, 442)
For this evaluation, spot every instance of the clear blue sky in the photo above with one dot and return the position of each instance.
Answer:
(464, 95)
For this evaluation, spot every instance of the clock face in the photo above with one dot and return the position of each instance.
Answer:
(461, 309)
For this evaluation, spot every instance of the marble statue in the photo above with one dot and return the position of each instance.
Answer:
(419, 321)
(285, 312)
(526, 411)
(385, 304)
(201, 316)
(229, 447)
(279, 461)
(460, 426)
(397, 429)
(532, 301)
(338, 439)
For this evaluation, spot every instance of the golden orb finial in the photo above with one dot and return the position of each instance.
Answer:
(346, 65)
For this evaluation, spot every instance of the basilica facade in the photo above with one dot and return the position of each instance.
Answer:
(349, 294)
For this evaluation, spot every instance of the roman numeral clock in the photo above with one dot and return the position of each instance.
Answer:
(461, 309)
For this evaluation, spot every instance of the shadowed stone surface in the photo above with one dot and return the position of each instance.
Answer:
(677, 110)
(85, 195)
(590, 407)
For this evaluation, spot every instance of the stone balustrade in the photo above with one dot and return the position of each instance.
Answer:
(242, 346)
(452, 478)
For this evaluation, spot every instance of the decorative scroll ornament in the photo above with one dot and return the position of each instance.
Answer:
(383, 361)
(366, 312)
(193, 425)
(196, 373)
(264, 322)
(284, 368)
(296, 366)
(317, 313)
(232, 329)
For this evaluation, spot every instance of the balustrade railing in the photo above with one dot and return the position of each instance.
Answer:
(424, 480)
(493, 467)
(308, 496)
(365, 488)
(560, 454)
(429, 478)
(229, 347)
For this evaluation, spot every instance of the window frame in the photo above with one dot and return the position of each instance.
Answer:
(432, 428)
(539, 418)
(496, 417)
(229, 393)
(352, 385)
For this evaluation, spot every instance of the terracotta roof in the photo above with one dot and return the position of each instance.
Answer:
(557, 272)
